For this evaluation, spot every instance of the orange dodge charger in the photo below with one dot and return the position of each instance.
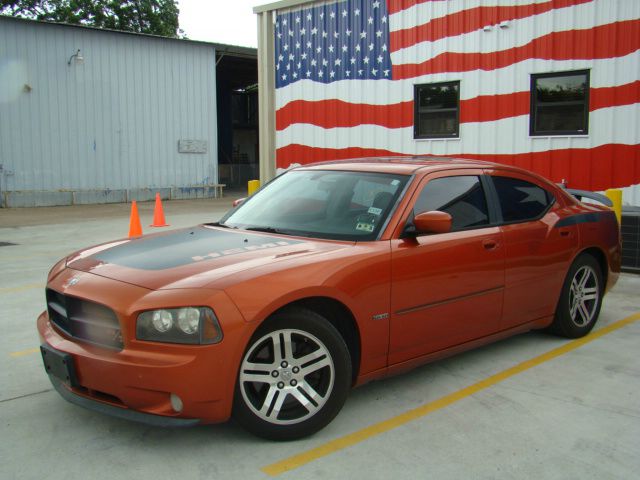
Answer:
(332, 275)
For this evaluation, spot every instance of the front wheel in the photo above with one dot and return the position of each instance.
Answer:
(294, 376)
(580, 300)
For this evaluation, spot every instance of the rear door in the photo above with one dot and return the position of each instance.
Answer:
(446, 288)
(537, 253)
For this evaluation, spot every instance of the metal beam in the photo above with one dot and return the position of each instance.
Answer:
(266, 97)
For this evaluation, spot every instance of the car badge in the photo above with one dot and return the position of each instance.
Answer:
(72, 282)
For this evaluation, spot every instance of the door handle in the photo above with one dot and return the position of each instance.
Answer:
(489, 244)
(565, 233)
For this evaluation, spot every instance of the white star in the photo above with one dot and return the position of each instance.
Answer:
(299, 65)
(348, 33)
(318, 50)
(370, 20)
(348, 73)
(284, 21)
(357, 48)
(360, 72)
(308, 44)
(324, 34)
(304, 56)
(336, 34)
(303, 31)
(285, 47)
(365, 60)
(371, 47)
(308, 73)
(295, 75)
(313, 62)
(353, 60)
(386, 73)
(314, 30)
(379, 33)
(288, 67)
(332, 14)
(356, 12)
(280, 58)
(290, 56)
(376, 4)
(298, 45)
(384, 19)
(278, 67)
(363, 34)
(291, 33)
(380, 59)
(320, 73)
(279, 35)
(331, 49)
(344, 13)
(374, 71)
(337, 62)
(384, 47)
(284, 76)
(321, 15)
(297, 19)
(344, 48)
(332, 74)
(308, 16)
(325, 62)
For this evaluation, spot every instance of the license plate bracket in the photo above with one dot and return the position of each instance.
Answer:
(59, 364)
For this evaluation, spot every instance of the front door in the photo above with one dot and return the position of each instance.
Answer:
(447, 289)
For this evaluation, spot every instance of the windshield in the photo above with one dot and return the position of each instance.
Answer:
(322, 204)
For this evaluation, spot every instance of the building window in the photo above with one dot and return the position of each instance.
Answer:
(436, 112)
(560, 103)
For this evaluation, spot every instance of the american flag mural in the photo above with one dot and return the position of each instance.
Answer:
(346, 71)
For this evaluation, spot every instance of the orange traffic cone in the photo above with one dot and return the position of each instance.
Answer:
(158, 214)
(135, 227)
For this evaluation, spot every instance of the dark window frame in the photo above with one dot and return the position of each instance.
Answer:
(534, 104)
(417, 110)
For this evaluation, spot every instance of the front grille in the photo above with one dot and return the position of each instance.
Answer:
(84, 320)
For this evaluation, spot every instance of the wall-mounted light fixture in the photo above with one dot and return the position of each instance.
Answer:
(76, 58)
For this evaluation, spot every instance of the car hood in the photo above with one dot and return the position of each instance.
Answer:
(195, 257)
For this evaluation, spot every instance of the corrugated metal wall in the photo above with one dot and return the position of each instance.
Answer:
(112, 122)
(492, 49)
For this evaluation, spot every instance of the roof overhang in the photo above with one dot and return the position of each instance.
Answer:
(280, 5)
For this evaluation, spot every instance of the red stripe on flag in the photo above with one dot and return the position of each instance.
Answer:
(394, 6)
(605, 41)
(605, 97)
(484, 108)
(470, 20)
(616, 165)
(336, 113)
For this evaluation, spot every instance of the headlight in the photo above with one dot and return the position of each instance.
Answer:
(191, 325)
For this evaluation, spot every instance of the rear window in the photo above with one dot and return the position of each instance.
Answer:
(521, 201)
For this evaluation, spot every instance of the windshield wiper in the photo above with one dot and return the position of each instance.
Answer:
(221, 225)
(266, 230)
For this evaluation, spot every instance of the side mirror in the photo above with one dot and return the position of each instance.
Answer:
(239, 201)
(432, 222)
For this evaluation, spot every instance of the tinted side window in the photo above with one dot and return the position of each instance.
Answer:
(520, 200)
(461, 197)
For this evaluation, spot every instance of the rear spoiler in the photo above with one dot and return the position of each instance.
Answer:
(580, 194)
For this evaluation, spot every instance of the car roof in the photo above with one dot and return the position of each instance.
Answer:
(399, 165)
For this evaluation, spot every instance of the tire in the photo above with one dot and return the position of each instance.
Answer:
(580, 300)
(294, 377)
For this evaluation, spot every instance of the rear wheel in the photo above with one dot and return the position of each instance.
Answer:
(581, 299)
(294, 376)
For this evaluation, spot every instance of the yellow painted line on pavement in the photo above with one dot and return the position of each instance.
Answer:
(21, 288)
(24, 352)
(301, 459)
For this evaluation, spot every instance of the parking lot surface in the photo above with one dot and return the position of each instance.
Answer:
(533, 406)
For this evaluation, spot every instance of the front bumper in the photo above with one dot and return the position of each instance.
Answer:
(101, 407)
(138, 381)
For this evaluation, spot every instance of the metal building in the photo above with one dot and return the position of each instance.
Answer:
(552, 86)
(95, 116)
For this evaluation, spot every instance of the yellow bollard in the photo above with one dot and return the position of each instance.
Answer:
(615, 195)
(252, 187)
